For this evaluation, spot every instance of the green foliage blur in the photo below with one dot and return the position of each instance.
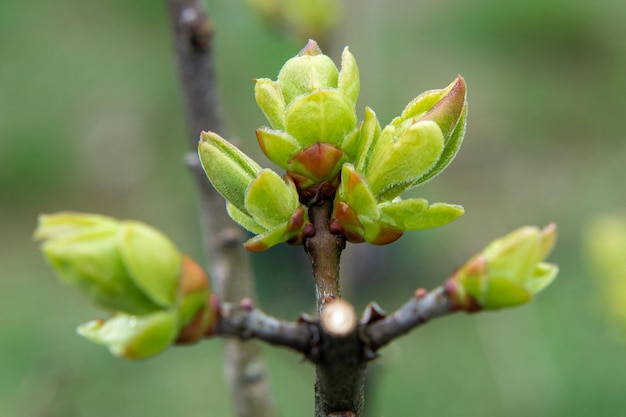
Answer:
(91, 120)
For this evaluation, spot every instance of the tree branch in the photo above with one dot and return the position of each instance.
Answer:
(421, 308)
(231, 271)
(244, 321)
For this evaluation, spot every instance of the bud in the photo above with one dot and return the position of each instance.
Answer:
(415, 146)
(273, 204)
(311, 110)
(132, 270)
(121, 266)
(508, 272)
(308, 71)
(258, 199)
(229, 170)
(360, 216)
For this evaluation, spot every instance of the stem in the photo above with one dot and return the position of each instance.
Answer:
(245, 322)
(324, 250)
(341, 366)
(420, 309)
(231, 272)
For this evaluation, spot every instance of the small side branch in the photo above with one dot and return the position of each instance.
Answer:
(244, 321)
(421, 308)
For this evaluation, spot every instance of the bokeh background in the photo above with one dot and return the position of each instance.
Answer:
(91, 120)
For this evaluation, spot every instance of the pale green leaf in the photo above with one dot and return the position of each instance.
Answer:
(152, 261)
(229, 170)
(325, 115)
(269, 200)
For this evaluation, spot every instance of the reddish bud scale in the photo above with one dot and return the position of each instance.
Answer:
(203, 323)
(311, 49)
(255, 246)
(460, 301)
(477, 266)
(345, 222)
(193, 277)
(319, 162)
(193, 331)
(446, 112)
(387, 235)
(337, 229)
(297, 220)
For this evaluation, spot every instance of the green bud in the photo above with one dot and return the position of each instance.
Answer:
(508, 272)
(359, 216)
(402, 156)
(293, 231)
(133, 337)
(121, 266)
(279, 146)
(311, 110)
(349, 81)
(450, 114)
(270, 99)
(152, 261)
(369, 134)
(156, 295)
(271, 201)
(355, 192)
(229, 170)
(415, 146)
(318, 163)
(308, 71)
(325, 115)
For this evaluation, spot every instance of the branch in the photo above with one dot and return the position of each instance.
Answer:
(324, 250)
(193, 35)
(340, 371)
(421, 308)
(244, 321)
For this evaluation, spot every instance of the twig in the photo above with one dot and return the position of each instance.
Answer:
(422, 307)
(324, 250)
(341, 365)
(244, 321)
(245, 368)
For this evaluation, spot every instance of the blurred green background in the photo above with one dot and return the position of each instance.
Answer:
(90, 120)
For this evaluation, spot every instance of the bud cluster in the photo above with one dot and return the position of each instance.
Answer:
(314, 135)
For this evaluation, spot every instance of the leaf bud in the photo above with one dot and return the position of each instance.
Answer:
(507, 273)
